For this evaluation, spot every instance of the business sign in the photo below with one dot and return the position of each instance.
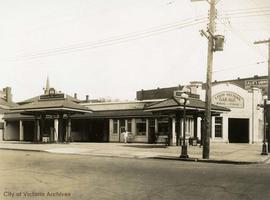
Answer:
(259, 83)
(228, 99)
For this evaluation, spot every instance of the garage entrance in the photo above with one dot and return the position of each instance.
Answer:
(238, 130)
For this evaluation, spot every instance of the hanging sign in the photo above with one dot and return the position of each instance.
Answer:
(228, 99)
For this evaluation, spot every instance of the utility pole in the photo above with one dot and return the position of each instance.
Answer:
(268, 91)
(215, 43)
(208, 96)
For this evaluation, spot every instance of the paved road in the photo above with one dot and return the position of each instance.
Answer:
(41, 175)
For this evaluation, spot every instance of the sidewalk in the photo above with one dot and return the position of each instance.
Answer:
(220, 152)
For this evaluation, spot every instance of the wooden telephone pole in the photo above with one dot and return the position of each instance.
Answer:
(208, 96)
(215, 43)
(268, 91)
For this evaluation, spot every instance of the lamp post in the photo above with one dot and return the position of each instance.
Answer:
(264, 106)
(184, 101)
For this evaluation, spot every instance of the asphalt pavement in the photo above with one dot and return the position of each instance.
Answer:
(219, 152)
(40, 175)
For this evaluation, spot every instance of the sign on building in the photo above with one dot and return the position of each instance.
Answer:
(259, 83)
(228, 99)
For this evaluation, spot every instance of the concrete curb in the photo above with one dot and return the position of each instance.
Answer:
(211, 160)
(146, 157)
(14, 149)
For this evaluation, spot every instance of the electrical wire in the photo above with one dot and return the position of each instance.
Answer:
(116, 39)
(140, 34)
(240, 36)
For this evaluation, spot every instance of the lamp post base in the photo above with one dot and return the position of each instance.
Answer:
(184, 152)
(264, 150)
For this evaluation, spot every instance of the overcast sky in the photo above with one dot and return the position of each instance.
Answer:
(114, 48)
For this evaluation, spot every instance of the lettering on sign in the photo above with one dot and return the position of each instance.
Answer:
(262, 83)
(228, 99)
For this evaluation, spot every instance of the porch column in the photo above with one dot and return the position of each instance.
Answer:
(68, 131)
(156, 127)
(21, 131)
(199, 127)
(173, 132)
(60, 132)
(42, 126)
(195, 133)
(56, 123)
(177, 127)
(147, 129)
(170, 142)
(38, 130)
(213, 128)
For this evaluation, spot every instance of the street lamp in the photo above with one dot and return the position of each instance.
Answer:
(264, 149)
(184, 101)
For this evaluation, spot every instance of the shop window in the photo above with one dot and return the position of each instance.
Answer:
(122, 125)
(129, 125)
(163, 126)
(115, 126)
(141, 126)
(189, 123)
(218, 127)
(1, 125)
(152, 122)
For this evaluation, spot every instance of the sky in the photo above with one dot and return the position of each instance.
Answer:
(111, 49)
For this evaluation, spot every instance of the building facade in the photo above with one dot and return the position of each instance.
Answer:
(57, 117)
(244, 123)
(5, 104)
(156, 115)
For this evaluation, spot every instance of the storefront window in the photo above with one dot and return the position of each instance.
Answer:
(188, 126)
(1, 125)
(218, 127)
(152, 122)
(129, 125)
(163, 126)
(141, 126)
(115, 126)
(122, 125)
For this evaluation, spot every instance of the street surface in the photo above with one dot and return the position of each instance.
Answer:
(39, 175)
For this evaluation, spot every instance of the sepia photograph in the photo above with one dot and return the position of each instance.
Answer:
(134, 99)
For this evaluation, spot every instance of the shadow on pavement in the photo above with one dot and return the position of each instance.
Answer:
(145, 146)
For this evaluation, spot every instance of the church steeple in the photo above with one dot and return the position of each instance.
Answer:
(47, 88)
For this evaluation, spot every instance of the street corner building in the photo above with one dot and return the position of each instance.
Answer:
(6, 104)
(156, 116)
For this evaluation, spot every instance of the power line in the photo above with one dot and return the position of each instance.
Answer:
(240, 36)
(129, 37)
(116, 39)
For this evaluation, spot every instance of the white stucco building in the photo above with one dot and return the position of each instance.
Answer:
(244, 123)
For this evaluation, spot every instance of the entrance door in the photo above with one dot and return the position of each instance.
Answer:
(29, 130)
(151, 132)
(122, 129)
(99, 130)
(238, 130)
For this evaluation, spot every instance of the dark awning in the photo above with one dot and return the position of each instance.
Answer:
(51, 106)
(174, 103)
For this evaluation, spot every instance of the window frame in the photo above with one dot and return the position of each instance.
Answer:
(218, 127)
